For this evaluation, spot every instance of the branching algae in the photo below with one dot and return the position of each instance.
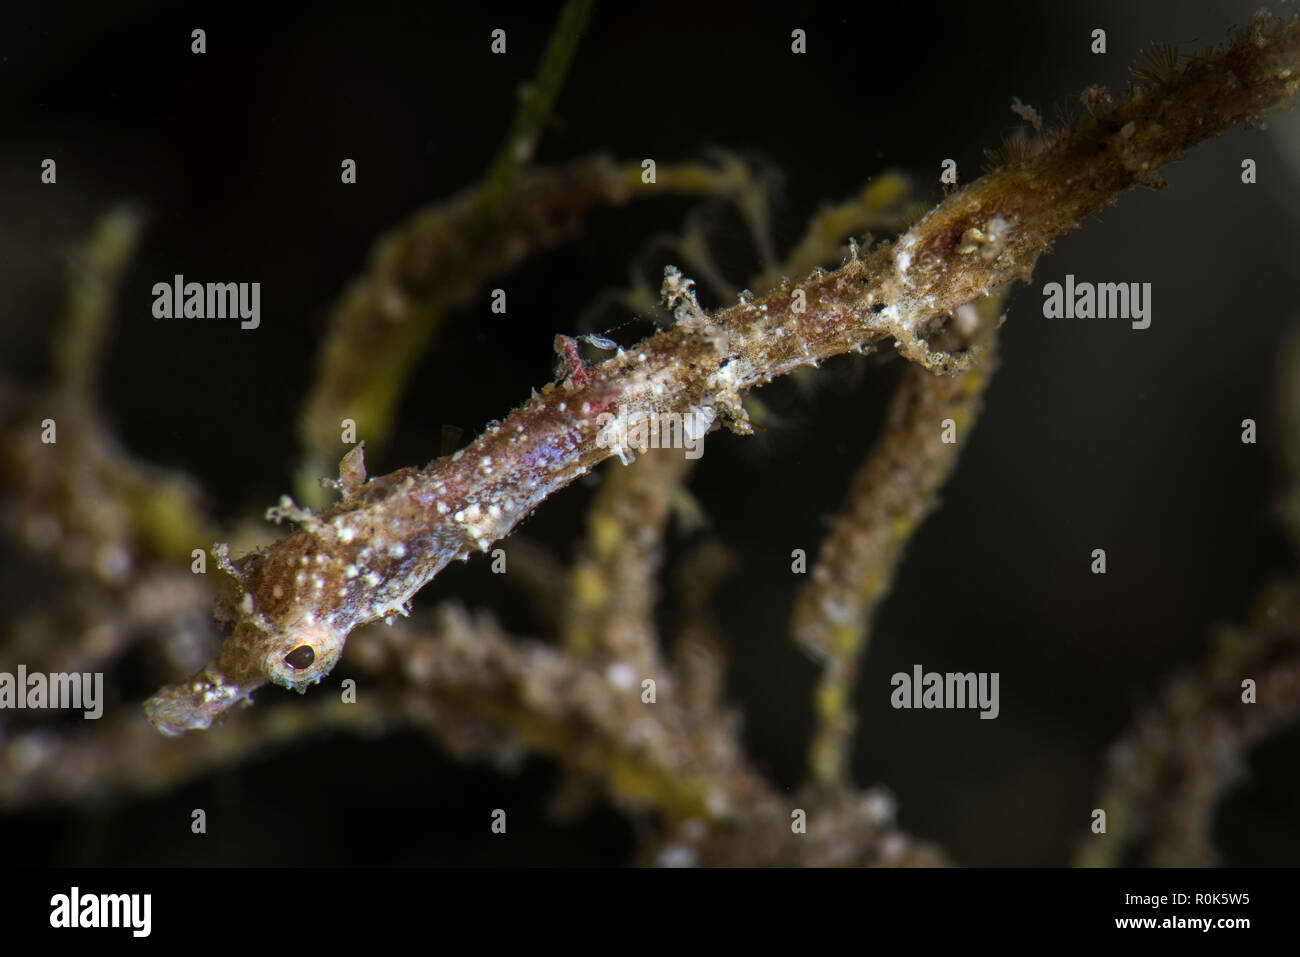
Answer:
(289, 608)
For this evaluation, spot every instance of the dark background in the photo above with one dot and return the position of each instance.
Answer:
(1094, 435)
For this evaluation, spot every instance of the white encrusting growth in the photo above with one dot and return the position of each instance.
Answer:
(903, 259)
(988, 241)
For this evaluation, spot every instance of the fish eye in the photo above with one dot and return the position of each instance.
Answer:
(301, 657)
